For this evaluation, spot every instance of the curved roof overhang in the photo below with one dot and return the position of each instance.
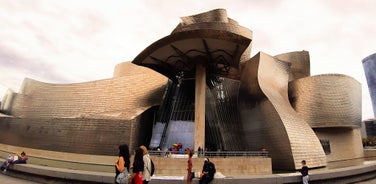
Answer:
(216, 45)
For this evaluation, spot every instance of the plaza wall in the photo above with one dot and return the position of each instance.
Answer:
(345, 143)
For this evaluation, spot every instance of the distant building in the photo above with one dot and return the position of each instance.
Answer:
(369, 65)
(201, 74)
(370, 126)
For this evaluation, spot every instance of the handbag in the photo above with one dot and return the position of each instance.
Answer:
(123, 177)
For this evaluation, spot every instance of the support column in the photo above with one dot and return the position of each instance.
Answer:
(200, 93)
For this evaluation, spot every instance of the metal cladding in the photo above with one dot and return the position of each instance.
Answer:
(320, 100)
(369, 66)
(209, 38)
(299, 64)
(263, 102)
(287, 135)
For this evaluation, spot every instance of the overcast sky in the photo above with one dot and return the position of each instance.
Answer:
(70, 41)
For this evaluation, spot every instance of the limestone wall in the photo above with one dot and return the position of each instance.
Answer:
(74, 135)
(345, 143)
(229, 166)
(330, 100)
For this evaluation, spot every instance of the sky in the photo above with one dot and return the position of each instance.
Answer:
(75, 41)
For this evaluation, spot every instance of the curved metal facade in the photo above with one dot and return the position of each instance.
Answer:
(272, 122)
(329, 100)
(265, 101)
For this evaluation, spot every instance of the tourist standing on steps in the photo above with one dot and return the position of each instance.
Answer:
(304, 172)
(123, 161)
(138, 167)
(146, 175)
(189, 167)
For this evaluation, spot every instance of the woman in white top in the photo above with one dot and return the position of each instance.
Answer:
(147, 165)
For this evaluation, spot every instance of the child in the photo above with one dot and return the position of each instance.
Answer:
(304, 172)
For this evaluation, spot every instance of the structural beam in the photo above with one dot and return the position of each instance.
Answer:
(200, 93)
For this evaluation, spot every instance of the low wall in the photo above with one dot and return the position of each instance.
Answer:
(44, 174)
(165, 166)
(228, 167)
(370, 153)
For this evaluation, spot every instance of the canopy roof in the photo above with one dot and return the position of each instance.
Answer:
(210, 39)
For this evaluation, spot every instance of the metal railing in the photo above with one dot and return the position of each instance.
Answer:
(210, 154)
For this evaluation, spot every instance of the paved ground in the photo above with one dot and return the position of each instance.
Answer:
(372, 181)
(5, 179)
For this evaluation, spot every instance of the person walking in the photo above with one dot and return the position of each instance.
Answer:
(304, 172)
(123, 161)
(146, 175)
(138, 167)
(189, 167)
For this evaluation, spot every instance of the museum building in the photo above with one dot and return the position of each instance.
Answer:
(198, 86)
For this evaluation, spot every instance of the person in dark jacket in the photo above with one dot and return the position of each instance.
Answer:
(138, 167)
(304, 172)
(208, 171)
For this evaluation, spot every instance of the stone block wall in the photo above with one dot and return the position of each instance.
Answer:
(345, 143)
(229, 166)
(74, 135)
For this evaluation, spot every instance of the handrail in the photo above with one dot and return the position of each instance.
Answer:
(211, 154)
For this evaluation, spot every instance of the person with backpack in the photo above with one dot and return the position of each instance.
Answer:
(208, 171)
(146, 175)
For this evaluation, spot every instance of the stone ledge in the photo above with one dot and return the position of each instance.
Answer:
(59, 175)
